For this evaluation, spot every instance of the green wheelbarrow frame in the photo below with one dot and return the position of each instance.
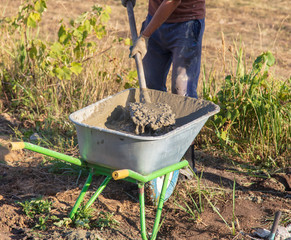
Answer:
(124, 174)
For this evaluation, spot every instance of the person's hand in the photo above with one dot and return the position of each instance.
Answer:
(140, 46)
(124, 2)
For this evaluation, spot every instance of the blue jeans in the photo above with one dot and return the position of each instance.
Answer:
(180, 44)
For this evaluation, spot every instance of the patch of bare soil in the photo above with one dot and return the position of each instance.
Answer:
(23, 176)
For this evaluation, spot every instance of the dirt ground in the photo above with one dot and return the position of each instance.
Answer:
(260, 26)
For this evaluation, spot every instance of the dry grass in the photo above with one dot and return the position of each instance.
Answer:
(254, 27)
(259, 26)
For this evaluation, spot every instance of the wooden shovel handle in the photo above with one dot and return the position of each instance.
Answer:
(137, 57)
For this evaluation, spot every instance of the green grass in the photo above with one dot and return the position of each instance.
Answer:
(254, 121)
(193, 209)
(194, 197)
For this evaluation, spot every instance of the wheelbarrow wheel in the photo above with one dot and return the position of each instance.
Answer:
(153, 188)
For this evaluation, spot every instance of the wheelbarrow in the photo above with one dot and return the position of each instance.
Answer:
(133, 158)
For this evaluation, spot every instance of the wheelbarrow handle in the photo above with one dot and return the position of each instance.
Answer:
(16, 146)
(120, 174)
(35, 148)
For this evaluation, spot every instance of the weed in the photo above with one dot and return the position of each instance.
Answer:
(82, 217)
(186, 208)
(203, 195)
(193, 209)
(35, 207)
(254, 120)
(39, 210)
(65, 222)
(106, 220)
(42, 222)
(59, 167)
(286, 218)
(217, 211)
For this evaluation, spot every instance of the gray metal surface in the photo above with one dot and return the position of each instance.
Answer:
(143, 154)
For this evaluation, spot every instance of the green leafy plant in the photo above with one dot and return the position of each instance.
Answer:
(39, 210)
(42, 221)
(65, 222)
(61, 58)
(254, 119)
(132, 81)
(35, 73)
(36, 206)
(106, 220)
(82, 217)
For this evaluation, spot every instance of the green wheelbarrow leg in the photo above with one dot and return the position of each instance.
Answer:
(99, 190)
(142, 211)
(85, 189)
(82, 194)
(159, 209)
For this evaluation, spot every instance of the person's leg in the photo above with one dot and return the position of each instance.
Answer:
(156, 66)
(187, 58)
(157, 60)
(186, 68)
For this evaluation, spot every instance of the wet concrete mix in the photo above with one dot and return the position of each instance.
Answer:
(142, 119)
(165, 113)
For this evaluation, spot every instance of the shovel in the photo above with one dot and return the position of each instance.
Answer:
(154, 116)
(144, 97)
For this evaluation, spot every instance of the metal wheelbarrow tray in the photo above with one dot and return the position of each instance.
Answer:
(142, 154)
(133, 158)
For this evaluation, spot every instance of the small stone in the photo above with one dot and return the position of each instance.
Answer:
(35, 137)
(282, 233)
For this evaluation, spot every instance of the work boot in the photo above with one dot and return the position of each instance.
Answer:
(190, 157)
